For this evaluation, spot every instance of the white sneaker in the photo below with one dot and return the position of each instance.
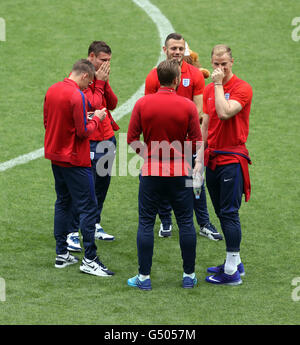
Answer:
(101, 235)
(61, 261)
(165, 232)
(73, 242)
(95, 267)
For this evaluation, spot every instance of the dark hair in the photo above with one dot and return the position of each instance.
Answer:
(84, 66)
(97, 47)
(167, 71)
(174, 36)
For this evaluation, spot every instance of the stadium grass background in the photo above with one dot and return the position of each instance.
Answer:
(43, 41)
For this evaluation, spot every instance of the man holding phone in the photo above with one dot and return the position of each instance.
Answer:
(67, 132)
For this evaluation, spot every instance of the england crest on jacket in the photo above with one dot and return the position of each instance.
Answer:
(185, 82)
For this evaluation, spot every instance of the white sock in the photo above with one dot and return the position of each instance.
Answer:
(192, 275)
(143, 277)
(65, 256)
(232, 261)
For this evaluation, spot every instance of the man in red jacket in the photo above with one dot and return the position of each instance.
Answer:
(226, 104)
(67, 131)
(191, 86)
(165, 119)
(102, 141)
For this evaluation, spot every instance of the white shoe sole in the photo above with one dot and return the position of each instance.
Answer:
(209, 236)
(97, 272)
(161, 236)
(65, 264)
(235, 283)
(105, 239)
(73, 249)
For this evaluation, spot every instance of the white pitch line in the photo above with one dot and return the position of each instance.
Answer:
(22, 159)
(164, 28)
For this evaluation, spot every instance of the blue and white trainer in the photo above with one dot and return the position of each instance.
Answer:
(220, 269)
(62, 261)
(188, 282)
(225, 279)
(208, 230)
(136, 282)
(73, 242)
(165, 231)
(100, 234)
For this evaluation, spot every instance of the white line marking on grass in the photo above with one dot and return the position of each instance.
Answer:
(164, 28)
(22, 159)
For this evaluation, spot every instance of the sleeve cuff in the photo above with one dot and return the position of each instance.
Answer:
(100, 83)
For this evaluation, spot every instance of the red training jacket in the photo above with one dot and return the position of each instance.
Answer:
(192, 82)
(165, 119)
(100, 95)
(66, 124)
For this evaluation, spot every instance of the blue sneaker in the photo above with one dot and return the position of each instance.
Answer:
(225, 279)
(220, 269)
(189, 283)
(143, 285)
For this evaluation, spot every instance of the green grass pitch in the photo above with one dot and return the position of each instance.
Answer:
(43, 40)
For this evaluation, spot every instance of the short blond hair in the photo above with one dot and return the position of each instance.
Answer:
(221, 49)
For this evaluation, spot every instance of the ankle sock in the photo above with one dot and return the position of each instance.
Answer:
(143, 277)
(232, 261)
